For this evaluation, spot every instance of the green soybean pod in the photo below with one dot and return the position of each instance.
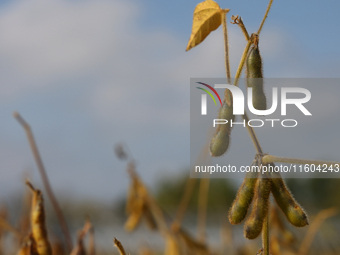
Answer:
(253, 225)
(220, 142)
(293, 211)
(244, 197)
(255, 78)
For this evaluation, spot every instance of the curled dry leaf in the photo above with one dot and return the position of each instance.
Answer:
(207, 18)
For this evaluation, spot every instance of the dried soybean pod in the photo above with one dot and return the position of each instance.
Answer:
(220, 142)
(135, 204)
(38, 223)
(293, 211)
(245, 194)
(28, 247)
(135, 216)
(255, 76)
(253, 225)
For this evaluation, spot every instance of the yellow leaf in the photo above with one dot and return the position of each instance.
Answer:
(207, 18)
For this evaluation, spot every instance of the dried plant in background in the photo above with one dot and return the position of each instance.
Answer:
(119, 246)
(44, 177)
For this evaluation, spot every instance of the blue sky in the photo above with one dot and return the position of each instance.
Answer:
(89, 74)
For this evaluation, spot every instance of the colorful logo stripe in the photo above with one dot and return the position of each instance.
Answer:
(212, 89)
(208, 93)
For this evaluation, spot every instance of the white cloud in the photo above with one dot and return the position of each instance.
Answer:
(45, 41)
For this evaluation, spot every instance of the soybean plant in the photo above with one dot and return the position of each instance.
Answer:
(256, 187)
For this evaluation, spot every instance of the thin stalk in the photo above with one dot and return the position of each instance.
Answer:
(265, 235)
(241, 64)
(202, 208)
(158, 216)
(91, 240)
(267, 159)
(92, 249)
(314, 227)
(265, 17)
(253, 135)
(45, 180)
(5, 225)
(227, 95)
(238, 20)
(189, 188)
(226, 44)
(119, 246)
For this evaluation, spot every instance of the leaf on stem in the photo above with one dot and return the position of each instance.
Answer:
(207, 18)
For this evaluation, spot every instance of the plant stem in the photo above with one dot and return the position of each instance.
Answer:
(91, 240)
(267, 159)
(5, 225)
(265, 235)
(253, 135)
(119, 246)
(265, 17)
(45, 180)
(202, 207)
(189, 188)
(241, 64)
(238, 20)
(227, 94)
(226, 44)
(314, 227)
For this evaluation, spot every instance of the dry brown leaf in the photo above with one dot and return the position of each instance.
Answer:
(207, 18)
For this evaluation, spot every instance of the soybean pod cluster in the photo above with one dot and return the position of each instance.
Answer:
(256, 189)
